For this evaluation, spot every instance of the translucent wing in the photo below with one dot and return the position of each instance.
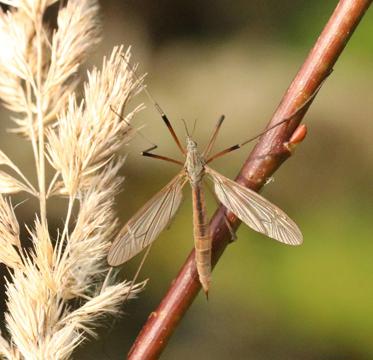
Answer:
(255, 211)
(145, 226)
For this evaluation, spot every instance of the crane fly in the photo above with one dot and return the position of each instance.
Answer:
(251, 208)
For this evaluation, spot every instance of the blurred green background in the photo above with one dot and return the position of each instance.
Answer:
(267, 301)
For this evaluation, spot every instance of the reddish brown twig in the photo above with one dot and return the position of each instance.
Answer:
(270, 152)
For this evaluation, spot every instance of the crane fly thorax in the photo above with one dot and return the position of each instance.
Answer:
(194, 163)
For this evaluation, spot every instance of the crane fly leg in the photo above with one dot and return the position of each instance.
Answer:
(213, 137)
(148, 153)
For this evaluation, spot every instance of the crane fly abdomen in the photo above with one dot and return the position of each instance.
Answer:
(202, 236)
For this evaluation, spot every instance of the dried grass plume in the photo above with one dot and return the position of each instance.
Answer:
(78, 138)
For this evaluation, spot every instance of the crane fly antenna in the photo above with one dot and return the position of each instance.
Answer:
(186, 127)
(158, 108)
(194, 127)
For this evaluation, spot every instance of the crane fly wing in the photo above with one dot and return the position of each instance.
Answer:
(145, 226)
(255, 211)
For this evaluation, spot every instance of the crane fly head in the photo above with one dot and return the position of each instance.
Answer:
(191, 144)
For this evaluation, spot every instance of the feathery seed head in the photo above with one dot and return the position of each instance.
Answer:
(9, 228)
(31, 7)
(37, 80)
(90, 133)
(64, 49)
(9, 235)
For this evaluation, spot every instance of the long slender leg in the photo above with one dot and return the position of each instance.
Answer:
(169, 127)
(291, 116)
(119, 115)
(149, 153)
(138, 131)
(238, 146)
(158, 108)
(213, 137)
